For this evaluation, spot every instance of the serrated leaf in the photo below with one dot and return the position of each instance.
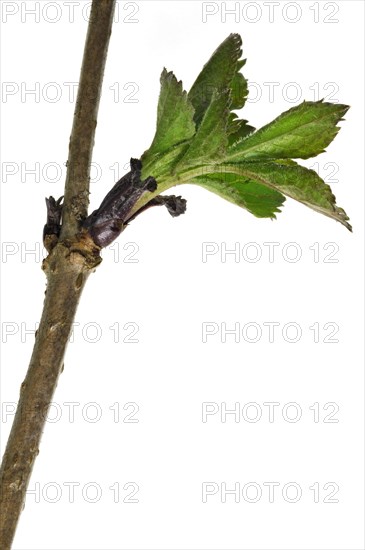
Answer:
(219, 73)
(239, 87)
(238, 128)
(174, 115)
(294, 181)
(301, 132)
(258, 166)
(261, 201)
(210, 140)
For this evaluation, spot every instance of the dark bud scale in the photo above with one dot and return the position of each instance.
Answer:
(52, 229)
(106, 223)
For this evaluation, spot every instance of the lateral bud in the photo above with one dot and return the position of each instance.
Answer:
(52, 229)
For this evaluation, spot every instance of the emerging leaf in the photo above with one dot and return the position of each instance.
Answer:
(238, 128)
(294, 181)
(210, 140)
(200, 140)
(218, 88)
(174, 115)
(301, 132)
(220, 73)
(239, 87)
(258, 199)
(161, 164)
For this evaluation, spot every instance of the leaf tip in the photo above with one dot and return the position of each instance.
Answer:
(236, 38)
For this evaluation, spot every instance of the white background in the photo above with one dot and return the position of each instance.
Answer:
(169, 292)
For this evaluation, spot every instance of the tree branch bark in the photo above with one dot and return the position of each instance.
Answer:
(85, 118)
(67, 268)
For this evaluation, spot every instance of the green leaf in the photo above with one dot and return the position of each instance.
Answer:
(174, 115)
(261, 201)
(198, 140)
(294, 181)
(218, 74)
(161, 164)
(239, 87)
(210, 140)
(238, 128)
(301, 132)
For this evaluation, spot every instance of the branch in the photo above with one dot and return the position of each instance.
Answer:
(67, 268)
(85, 117)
